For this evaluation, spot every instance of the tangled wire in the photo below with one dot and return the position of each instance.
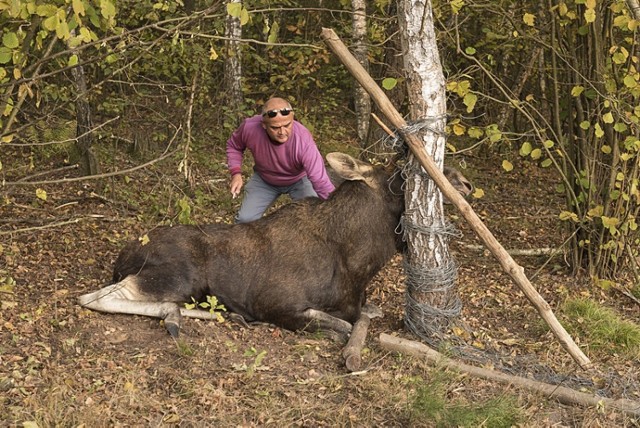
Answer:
(427, 284)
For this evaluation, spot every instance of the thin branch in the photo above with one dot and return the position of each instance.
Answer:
(97, 176)
(68, 140)
(51, 171)
(51, 225)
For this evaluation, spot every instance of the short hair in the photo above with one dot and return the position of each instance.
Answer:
(264, 109)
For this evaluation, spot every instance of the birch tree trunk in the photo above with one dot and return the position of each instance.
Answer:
(361, 97)
(432, 299)
(233, 64)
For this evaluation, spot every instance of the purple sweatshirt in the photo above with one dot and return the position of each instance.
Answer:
(279, 164)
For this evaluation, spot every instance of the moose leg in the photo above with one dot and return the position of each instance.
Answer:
(372, 311)
(319, 320)
(122, 298)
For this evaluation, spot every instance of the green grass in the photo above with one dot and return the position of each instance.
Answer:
(601, 328)
(430, 403)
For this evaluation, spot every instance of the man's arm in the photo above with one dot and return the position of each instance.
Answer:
(235, 154)
(317, 173)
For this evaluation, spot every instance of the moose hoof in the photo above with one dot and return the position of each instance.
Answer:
(238, 319)
(173, 329)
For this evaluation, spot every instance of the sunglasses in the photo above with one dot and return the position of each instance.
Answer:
(273, 113)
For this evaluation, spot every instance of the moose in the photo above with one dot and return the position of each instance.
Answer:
(303, 267)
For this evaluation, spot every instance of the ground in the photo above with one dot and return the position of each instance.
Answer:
(62, 365)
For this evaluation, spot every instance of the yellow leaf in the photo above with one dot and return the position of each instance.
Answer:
(144, 240)
(529, 19)
(525, 149)
(567, 215)
(596, 211)
(607, 118)
(78, 7)
(599, 132)
(478, 193)
(507, 166)
(456, 5)
(458, 129)
(562, 9)
(590, 15)
(213, 55)
(461, 332)
(41, 194)
(234, 9)
(477, 344)
(577, 90)
(536, 154)
(470, 101)
(244, 16)
(609, 222)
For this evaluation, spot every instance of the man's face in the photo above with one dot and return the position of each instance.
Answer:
(279, 127)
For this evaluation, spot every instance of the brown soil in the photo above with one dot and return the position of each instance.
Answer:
(61, 365)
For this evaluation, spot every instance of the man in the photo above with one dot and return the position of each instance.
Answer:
(286, 160)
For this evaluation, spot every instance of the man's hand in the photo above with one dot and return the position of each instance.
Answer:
(236, 185)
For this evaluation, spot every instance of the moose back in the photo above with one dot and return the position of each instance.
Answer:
(306, 266)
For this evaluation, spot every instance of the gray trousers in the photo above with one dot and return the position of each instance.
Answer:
(260, 195)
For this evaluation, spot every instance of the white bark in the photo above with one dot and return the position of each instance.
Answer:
(233, 64)
(361, 97)
(424, 218)
(634, 7)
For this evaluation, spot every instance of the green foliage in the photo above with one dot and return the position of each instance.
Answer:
(430, 402)
(7, 283)
(603, 330)
(211, 305)
(254, 365)
(183, 206)
(184, 348)
(536, 67)
(28, 29)
(605, 187)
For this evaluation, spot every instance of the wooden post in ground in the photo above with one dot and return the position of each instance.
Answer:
(515, 271)
(352, 352)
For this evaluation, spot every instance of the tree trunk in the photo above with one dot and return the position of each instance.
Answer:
(233, 65)
(84, 137)
(432, 299)
(361, 97)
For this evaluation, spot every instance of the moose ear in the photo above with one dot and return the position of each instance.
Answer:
(347, 167)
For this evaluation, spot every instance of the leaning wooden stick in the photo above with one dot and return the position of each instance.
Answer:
(352, 352)
(415, 144)
(562, 394)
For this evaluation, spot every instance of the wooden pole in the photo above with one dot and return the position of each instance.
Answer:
(562, 394)
(352, 352)
(515, 271)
